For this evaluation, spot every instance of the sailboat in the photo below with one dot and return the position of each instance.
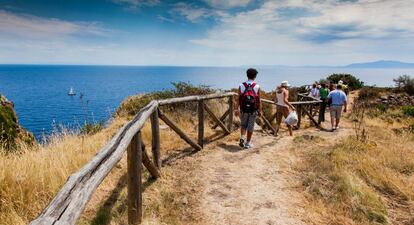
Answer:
(71, 92)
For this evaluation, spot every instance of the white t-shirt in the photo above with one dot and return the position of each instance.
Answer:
(256, 87)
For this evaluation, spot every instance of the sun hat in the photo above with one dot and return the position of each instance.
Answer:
(340, 82)
(284, 84)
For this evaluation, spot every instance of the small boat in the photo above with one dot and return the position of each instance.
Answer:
(71, 92)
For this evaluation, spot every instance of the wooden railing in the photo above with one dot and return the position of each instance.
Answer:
(304, 107)
(69, 203)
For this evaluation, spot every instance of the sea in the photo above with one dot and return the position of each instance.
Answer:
(40, 92)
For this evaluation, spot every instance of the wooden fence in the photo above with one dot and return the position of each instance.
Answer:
(69, 203)
(306, 106)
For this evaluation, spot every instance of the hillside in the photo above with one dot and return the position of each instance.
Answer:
(382, 64)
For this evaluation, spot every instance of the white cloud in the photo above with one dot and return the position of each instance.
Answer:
(329, 30)
(224, 4)
(31, 27)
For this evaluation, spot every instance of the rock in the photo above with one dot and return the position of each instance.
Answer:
(10, 130)
(384, 97)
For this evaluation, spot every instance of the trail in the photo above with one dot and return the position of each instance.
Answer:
(257, 186)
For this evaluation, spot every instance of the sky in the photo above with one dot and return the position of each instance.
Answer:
(205, 32)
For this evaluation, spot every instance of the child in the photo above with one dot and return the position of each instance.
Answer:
(249, 107)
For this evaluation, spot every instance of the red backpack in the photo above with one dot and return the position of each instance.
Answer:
(249, 101)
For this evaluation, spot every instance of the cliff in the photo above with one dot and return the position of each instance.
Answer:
(11, 132)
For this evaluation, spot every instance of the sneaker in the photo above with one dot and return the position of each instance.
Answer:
(248, 145)
(241, 143)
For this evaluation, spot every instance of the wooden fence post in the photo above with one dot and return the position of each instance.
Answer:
(231, 114)
(200, 109)
(299, 112)
(155, 128)
(134, 158)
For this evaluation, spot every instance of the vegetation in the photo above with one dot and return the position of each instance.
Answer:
(30, 179)
(11, 134)
(405, 83)
(134, 103)
(408, 110)
(350, 80)
(364, 178)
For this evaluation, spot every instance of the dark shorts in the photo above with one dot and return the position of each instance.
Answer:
(247, 121)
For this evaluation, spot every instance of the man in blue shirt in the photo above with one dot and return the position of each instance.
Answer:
(337, 99)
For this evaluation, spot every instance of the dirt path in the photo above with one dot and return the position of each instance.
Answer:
(256, 186)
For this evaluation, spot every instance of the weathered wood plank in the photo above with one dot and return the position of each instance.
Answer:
(293, 103)
(268, 124)
(134, 159)
(200, 109)
(311, 118)
(299, 112)
(177, 130)
(231, 114)
(152, 168)
(155, 129)
(71, 200)
(217, 120)
(195, 98)
(222, 119)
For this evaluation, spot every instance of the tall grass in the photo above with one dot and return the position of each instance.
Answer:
(30, 179)
(361, 179)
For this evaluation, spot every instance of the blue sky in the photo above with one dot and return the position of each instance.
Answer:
(205, 32)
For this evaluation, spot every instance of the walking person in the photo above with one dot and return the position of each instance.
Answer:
(248, 108)
(323, 93)
(338, 100)
(283, 106)
(314, 92)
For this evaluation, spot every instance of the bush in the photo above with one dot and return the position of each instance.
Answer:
(93, 128)
(352, 82)
(408, 110)
(405, 83)
(369, 93)
(133, 104)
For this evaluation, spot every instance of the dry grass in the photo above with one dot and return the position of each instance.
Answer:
(362, 182)
(30, 179)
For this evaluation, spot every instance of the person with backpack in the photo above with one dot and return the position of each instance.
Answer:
(283, 106)
(248, 108)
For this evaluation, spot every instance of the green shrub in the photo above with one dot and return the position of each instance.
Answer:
(132, 105)
(405, 83)
(408, 110)
(92, 128)
(352, 82)
(382, 108)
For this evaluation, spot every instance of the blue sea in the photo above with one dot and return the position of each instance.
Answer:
(40, 93)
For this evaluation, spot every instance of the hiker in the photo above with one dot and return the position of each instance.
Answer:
(331, 87)
(248, 108)
(338, 100)
(283, 106)
(314, 92)
(345, 88)
(323, 93)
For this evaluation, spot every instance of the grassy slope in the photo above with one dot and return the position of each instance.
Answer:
(363, 182)
(31, 178)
